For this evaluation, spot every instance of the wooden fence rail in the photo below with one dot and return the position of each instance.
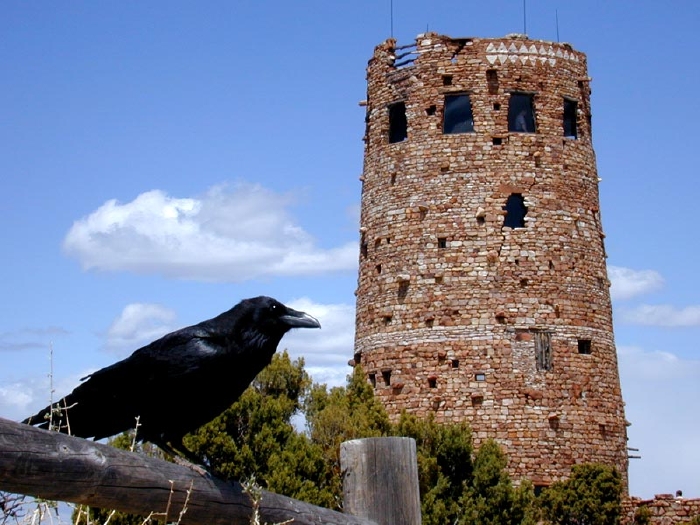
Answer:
(58, 467)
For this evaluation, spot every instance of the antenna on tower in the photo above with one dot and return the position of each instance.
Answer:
(391, 16)
(525, 17)
(556, 16)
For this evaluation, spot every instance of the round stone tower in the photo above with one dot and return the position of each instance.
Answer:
(483, 293)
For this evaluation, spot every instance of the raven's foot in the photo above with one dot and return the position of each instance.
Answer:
(199, 469)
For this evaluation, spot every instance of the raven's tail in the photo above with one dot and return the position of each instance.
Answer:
(53, 417)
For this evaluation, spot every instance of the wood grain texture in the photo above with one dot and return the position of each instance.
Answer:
(380, 480)
(58, 467)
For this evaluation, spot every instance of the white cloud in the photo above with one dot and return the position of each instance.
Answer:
(229, 234)
(627, 283)
(661, 315)
(326, 352)
(137, 325)
(659, 389)
(15, 399)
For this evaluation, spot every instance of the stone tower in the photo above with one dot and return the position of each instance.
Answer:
(483, 293)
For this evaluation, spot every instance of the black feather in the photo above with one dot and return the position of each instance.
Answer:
(181, 381)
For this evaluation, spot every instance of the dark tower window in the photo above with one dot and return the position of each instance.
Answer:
(521, 113)
(543, 351)
(515, 211)
(492, 81)
(584, 346)
(570, 129)
(397, 122)
(458, 115)
(386, 375)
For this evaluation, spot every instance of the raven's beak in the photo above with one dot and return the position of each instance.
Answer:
(296, 319)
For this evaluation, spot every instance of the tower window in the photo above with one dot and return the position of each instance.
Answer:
(570, 112)
(521, 113)
(373, 379)
(397, 122)
(403, 290)
(584, 346)
(442, 242)
(515, 211)
(492, 81)
(480, 376)
(543, 351)
(386, 375)
(446, 80)
(432, 381)
(458, 115)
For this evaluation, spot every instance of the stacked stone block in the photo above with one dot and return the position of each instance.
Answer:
(459, 316)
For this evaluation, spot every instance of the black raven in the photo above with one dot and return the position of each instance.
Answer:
(179, 382)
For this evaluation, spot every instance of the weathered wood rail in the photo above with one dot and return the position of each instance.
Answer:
(59, 467)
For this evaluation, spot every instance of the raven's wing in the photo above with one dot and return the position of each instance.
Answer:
(109, 400)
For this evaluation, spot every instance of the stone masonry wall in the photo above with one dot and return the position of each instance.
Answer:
(509, 328)
(664, 509)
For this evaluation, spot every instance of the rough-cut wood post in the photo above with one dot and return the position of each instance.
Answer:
(380, 480)
(59, 467)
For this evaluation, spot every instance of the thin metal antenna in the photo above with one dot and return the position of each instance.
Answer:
(525, 17)
(556, 14)
(391, 16)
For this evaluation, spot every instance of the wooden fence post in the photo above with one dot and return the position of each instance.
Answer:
(380, 480)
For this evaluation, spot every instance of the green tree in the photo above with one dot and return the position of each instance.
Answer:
(591, 496)
(444, 465)
(642, 516)
(255, 437)
(489, 497)
(341, 414)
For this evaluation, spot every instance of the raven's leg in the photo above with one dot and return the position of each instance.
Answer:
(181, 455)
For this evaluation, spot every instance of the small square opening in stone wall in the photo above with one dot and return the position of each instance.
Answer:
(584, 346)
(431, 110)
(378, 268)
(357, 357)
(372, 379)
(429, 323)
(432, 382)
(398, 126)
(480, 376)
(386, 320)
(442, 242)
(496, 106)
(454, 363)
(497, 141)
(446, 80)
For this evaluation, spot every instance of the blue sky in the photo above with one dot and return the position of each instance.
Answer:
(161, 160)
